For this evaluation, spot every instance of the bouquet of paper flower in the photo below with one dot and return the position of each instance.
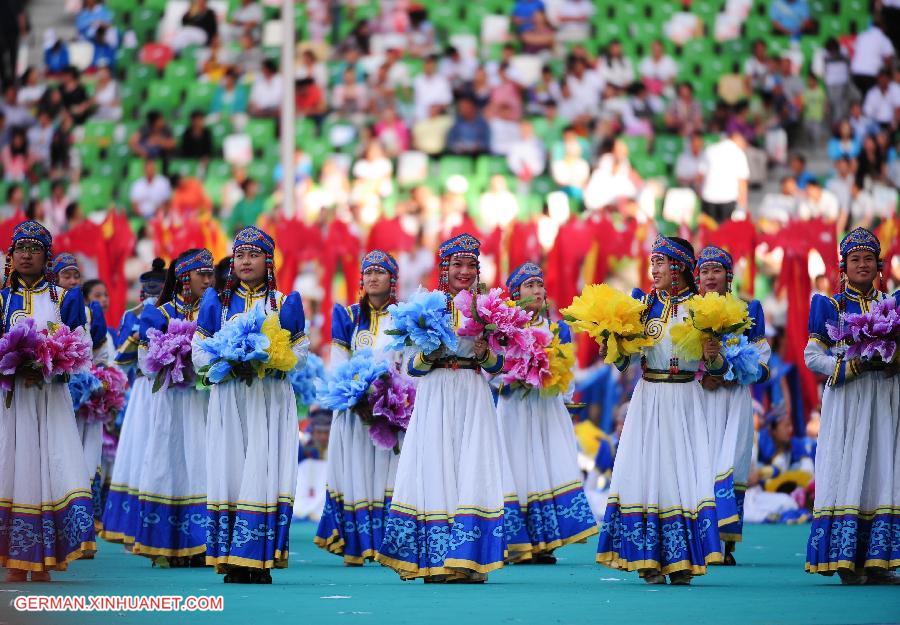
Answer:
(81, 387)
(546, 365)
(607, 314)
(55, 351)
(106, 401)
(742, 359)
(378, 395)
(169, 355)
(304, 380)
(872, 335)
(496, 318)
(709, 316)
(250, 345)
(422, 322)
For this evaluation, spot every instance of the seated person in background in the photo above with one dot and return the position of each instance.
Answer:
(197, 142)
(791, 17)
(229, 97)
(685, 114)
(797, 163)
(687, 167)
(153, 139)
(265, 94)
(430, 134)
(819, 203)
(470, 133)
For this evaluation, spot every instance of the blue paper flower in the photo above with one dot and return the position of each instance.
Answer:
(743, 360)
(349, 381)
(423, 322)
(81, 387)
(304, 380)
(239, 340)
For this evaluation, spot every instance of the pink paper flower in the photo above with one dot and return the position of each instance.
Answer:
(493, 316)
(532, 366)
(109, 399)
(65, 351)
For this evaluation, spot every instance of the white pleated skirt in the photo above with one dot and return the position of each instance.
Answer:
(446, 516)
(46, 513)
(360, 484)
(856, 515)
(661, 511)
(172, 483)
(251, 467)
(121, 514)
(549, 508)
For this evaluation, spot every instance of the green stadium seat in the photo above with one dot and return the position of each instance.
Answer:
(668, 147)
(219, 129)
(96, 193)
(99, 132)
(141, 74)
(163, 97)
(261, 171)
(181, 73)
(107, 168)
(637, 146)
(649, 166)
(261, 132)
(218, 169)
(145, 21)
(454, 165)
(487, 166)
(199, 97)
(213, 187)
(184, 167)
(542, 185)
(122, 6)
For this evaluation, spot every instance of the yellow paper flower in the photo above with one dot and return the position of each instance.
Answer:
(709, 316)
(281, 356)
(607, 313)
(687, 341)
(562, 363)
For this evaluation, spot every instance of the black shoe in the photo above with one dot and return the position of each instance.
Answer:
(198, 561)
(239, 575)
(729, 559)
(260, 576)
(544, 558)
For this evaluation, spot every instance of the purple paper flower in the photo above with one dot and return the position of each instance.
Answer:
(106, 402)
(169, 354)
(383, 434)
(64, 351)
(392, 397)
(870, 334)
(17, 347)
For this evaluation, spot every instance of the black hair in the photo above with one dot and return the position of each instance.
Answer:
(88, 286)
(687, 274)
(223, 267)
(172, 286)
(9, 192)
(31, 209)
(71, 209)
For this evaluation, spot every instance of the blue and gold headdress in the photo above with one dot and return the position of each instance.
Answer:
(252, 236)
(36, 233)
(64, 261)
(520, 275)
(201, 260)
(860, 238)
(377, 258)
(461, 244)
(674, 250)
(713, 255)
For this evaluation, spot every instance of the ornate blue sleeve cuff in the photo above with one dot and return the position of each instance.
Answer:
(417, 366)
(492, 363)
(718, 367)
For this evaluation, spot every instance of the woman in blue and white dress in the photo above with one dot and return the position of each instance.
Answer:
(251, 429)
(68, 276)
(121, 515)
(729, 407)
(360, 476)
(661, 514)
(856, 515)
(172, 483)
(445, 523)
(539, 440)
(46, 515)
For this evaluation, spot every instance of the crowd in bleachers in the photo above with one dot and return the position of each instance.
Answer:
(415, 120)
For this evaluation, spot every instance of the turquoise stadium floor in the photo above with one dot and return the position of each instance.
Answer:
(769, 586)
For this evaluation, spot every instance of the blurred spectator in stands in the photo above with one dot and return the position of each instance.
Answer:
(15, 202)
(843, 143)
(797, 164)
(569, 169)
(105, 100)
(309, 100)
(506, 98)
(725, 172)
(687, 167)
(15, 158)
(311, 67)
(786, 112)
(836, 75)
(430, 135)
(248, 18)
(40, 138)
(13, 29)
(248, 209)
(573, 20)
(470, 134)
(420, 34)
(61, 148)
(819, 203)
(540, 38)
(381, 94)
(31, 88)
(739, 122)
(189, 199)
(882, 103)
(872, 52)
(360, 37)
(334, 182)
(4, 129)
(582, 90)
(233, 190)
(870, 165)
(814, 103)
(250, 57)
(392, 132)
(756, 68)
(373, 173)
(52, 101)
(790, 81)
(350, 99)
(149, 191)
(507, 54)
(398, 77)
(615, 68)
(658, 71)
(74, 96)
(841, 182)
(197, 141)
(230, 97)
(213, 60)
(198, 26)
(56, 54)
(791, 17)
(545, 90)
(93, 16)
(613, 183)
(497, 206)
(478, 89)
(430, 88)
(894, 163)
(154, 139)
(55, 207)
(104, 51)
(527, 157)
(862, 207)
(265, 94)
(16, 115)
(457, 68)
(861, 124)
(685, 115)
(523, 14)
